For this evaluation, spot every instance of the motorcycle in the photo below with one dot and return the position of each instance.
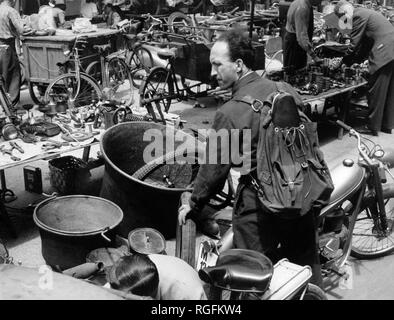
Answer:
(240, 274)
(358, 220)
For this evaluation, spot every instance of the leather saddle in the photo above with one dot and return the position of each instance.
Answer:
(240, 270)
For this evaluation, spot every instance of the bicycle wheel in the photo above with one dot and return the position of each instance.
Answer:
(169, 171)
(368, 239)
(64, 88)
(120, 80)
(140, 63)
(159, 84)
(94, 70)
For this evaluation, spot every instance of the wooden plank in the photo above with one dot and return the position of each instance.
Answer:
(185, 247)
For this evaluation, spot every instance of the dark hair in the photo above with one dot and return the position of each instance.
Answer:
(118, 11)
(44, 2)
(239, 45)
(136, 274)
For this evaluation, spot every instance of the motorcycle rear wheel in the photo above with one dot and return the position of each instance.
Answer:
(366, 243)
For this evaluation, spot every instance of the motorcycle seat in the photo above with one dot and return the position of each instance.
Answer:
(131, 37)
(102, 48)
(240, 270)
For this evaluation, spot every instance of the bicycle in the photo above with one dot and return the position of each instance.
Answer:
(161, 85)
(79, 88)
(138, 58)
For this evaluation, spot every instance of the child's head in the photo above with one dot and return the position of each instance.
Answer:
(135, 274)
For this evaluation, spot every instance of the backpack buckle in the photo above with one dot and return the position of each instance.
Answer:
(257, 105)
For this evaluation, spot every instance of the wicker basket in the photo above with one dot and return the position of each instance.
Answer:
(64, 173)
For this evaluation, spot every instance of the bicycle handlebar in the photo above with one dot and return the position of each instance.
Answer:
(358, 136)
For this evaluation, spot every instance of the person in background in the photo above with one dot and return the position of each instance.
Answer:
(49, 16)
(89, 9)
(158, 276)
(11, 28)
(297, 40)
(372, 37)
(111, 17)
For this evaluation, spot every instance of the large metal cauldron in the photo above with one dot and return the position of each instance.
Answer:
(143, 204)
(70, 227)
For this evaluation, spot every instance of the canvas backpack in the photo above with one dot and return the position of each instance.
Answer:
(292, 176)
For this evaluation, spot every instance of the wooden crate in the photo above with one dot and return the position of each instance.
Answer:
(41, 54)
(192, 59)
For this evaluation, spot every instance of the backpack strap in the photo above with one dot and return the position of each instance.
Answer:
(259, 107)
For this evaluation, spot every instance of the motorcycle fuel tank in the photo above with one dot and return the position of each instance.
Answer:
(346, 178)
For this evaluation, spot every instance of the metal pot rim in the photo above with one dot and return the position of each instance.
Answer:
(75, 233)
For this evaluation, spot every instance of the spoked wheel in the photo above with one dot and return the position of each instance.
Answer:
(369, 240)
(120, 81)
(65, 88)
(173, 170)
(159, 85)
(140, 63)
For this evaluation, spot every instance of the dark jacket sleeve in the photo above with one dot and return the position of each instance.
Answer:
(211, 177)
(357, 38)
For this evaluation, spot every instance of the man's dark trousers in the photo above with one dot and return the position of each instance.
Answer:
(10, 69)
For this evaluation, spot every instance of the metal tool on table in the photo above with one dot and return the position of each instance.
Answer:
(53, 144)
(15, 145)
(5, 151)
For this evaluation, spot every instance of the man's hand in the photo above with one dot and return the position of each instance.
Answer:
(183, 212)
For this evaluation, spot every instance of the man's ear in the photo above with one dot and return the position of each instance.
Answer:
(240, 65)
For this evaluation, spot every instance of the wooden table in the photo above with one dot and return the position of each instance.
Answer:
(342, 94)
(34, 155)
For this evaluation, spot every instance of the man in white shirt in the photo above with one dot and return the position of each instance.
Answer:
(89, 9)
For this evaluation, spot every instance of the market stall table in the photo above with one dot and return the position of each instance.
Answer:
(343, 94)
(34, 152)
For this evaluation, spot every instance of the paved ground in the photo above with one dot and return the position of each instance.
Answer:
(371, 278)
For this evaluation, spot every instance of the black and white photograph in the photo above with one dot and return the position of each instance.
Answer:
(210, 153)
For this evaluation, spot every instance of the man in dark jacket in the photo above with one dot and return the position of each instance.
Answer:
(232, 60)
(370, 27)
(297, 40)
